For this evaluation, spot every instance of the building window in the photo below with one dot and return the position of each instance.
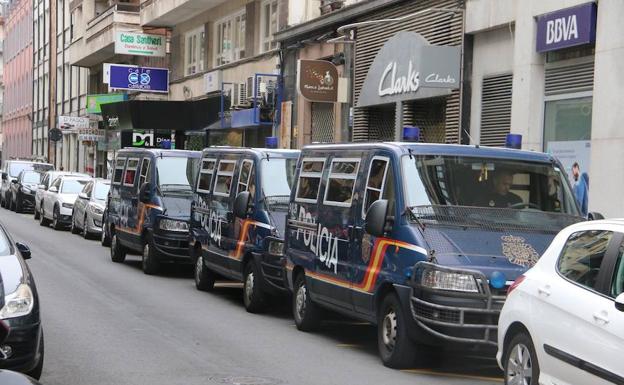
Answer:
(194, 51)
(230, 39)
(269, 20)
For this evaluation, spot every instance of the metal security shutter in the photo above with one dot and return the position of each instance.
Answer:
(437, 28)
(495, 109)
(569, 78)
(323, 122)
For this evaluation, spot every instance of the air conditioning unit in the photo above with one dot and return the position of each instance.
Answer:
(241, 94)
(259, 88)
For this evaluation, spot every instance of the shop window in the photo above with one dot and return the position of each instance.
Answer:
(194, 51)
(269, 23)
(245, 179)
(224, 178)
(310, 179)
(340, 183)
(119, 167)
(205, 175)
(131, 169)
(230, 39)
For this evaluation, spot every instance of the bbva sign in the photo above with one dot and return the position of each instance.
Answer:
(566, 28)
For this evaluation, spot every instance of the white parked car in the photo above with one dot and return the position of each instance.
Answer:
(46, 181)
(58, 200)
(563, 320)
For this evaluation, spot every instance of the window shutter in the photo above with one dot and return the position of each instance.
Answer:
(177, 60)
(571, 78)
(495, 109)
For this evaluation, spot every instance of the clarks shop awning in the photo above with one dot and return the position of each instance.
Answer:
(161, 114)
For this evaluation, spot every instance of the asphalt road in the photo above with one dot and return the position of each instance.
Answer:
(108, 323)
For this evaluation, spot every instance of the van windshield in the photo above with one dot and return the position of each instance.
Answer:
(176, 173)
(486, 186)
(277, 176)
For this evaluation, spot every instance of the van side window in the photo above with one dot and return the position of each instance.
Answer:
(120, 163)
(131, 170)
(310, 179)
(205, 174)
(145, 165)
(341, 181)
(375, 182)
(225, 174)
(245, 178)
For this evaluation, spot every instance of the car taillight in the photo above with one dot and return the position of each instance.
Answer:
(515, 284)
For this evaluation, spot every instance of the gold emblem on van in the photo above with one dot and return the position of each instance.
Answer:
(518, 251)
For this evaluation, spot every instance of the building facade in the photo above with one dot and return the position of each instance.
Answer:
(548, 71)
(17, 77)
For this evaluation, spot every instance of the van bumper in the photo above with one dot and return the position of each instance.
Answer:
(469, 319)
(172, 246)
(272, 271)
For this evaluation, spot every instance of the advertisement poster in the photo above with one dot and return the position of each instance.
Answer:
(571, 151)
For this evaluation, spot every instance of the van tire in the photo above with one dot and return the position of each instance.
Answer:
(117, 251)
(396, 348)
(149, 263)
(253, 296)
(204, 277)
(306, 313)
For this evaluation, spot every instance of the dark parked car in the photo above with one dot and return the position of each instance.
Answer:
(9, 172)
(23, 348)
(22, 190)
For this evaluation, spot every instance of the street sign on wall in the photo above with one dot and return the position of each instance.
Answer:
(140, 44)
(134, 78)
(73, 122)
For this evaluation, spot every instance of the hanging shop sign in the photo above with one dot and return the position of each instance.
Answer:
(92, 135)
(140, 44)
(73, 122)
(407, 67)
(134, 78)
(94, 102)
(317, 80)
(566, 28)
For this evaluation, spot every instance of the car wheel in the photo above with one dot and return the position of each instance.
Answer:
(73, 229)
(150, 264)
(104, 237)
(11, 204)
(117, 251)
(396, 348)
(36, 371)
(18, 205)
(253, 296)
(43, 221)
(204, 277)
(306, 313)
(85, 229)
(520, 361)
(36, 214)
(56, 220)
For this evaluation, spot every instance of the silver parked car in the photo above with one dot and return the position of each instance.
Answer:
(46, 181)
(89, 207)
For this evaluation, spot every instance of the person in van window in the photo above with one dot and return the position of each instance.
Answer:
(500, 195)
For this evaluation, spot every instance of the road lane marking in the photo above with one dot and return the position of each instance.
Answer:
(453, 375)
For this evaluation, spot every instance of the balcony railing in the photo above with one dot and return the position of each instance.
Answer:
(118, 7)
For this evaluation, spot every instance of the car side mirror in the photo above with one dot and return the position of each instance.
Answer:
(241, 204)
(83, 196)
(53, 189)
(376, 218)
(619, 302)
(42, 186)
(594, 216)
(13, 181)
(23, 250)
(144, 193)
(4, 176)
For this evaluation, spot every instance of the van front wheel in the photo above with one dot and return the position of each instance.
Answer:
(150, 264)
(306, 313)
(396, 348)
(253, 296)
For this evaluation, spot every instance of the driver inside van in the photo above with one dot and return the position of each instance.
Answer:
(500, 194)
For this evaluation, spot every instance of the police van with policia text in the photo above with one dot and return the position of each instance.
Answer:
(238, 219)
(420, 239)
(149, 205)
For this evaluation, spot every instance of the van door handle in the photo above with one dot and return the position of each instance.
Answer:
(544, 290)
(601, 317)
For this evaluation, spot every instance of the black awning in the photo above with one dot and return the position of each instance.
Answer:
(161, 114)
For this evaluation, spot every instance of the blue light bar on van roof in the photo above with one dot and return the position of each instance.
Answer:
(513, 141)
(411, 133)
(270, 142)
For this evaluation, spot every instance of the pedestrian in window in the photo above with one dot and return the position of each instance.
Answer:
(581, 187)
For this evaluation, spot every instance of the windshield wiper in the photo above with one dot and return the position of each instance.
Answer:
(415, 217)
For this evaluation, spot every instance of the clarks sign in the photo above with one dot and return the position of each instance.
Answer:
(317, 80)
(408, 68)
(566, 28)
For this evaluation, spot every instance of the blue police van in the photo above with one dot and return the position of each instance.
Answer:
(149, 205)
(420, 239)
(238, 219)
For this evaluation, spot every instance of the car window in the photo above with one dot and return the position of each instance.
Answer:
(310, 179)
(31, 177)
(131, 170)
(100, 191)
(144, 171)
(205, 174)
(379, 183)
(341, 181)
(73, 186)
(225, 174)
(120, 163)
(617, 282)
(582, 256)
(246, 177)
(56, 183)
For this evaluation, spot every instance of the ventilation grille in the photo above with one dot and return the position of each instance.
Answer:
(568, 79)
(495, 109)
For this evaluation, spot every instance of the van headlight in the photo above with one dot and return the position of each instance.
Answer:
(18, 303)
(173, 225)
(276, 247)
(444, 280)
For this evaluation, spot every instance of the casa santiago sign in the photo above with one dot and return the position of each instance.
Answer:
(407, 67)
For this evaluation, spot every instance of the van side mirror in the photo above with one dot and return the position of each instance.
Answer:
(376, 218)
(619, 302)
(23, 250)
(594, 216)
(241, 204)
(144, 193)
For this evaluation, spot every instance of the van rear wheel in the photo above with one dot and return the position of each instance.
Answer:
(306, 313)
(253, 296)
(396, 348)
(150, 264)
(117, 251)
(204, 277)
